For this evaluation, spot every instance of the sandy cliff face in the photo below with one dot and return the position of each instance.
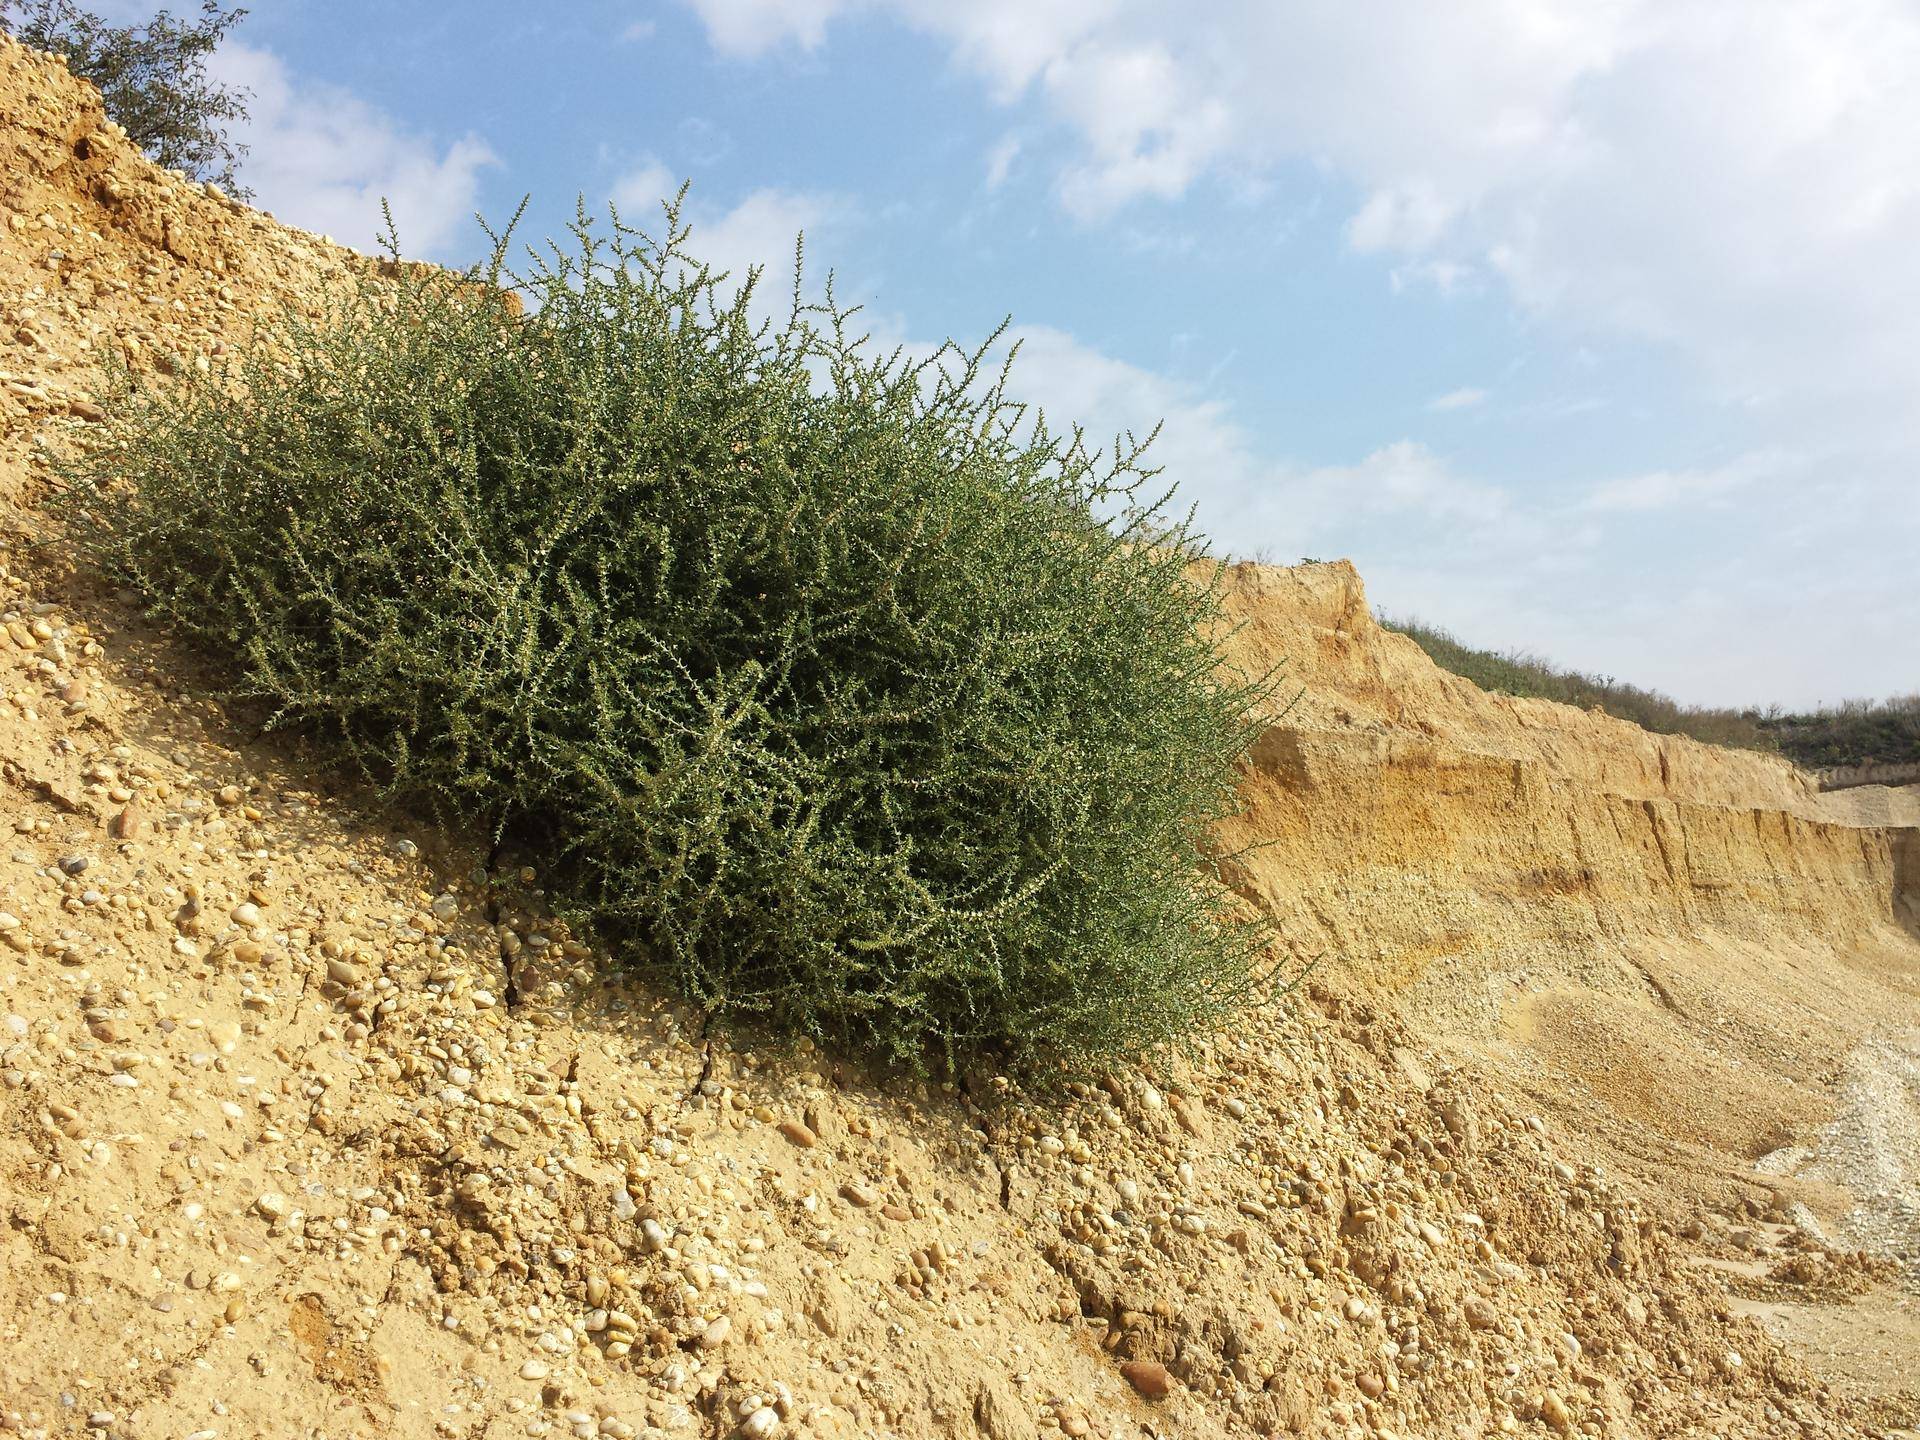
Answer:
(310, 1124)
(1884, 773)
(1361, 677)
(1506, 871)
(110, 258)
(1395, 805)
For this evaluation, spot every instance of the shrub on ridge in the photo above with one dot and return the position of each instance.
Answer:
(819, 673)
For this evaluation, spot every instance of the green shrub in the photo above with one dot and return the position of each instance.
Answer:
(1854, 732)
(815, 671)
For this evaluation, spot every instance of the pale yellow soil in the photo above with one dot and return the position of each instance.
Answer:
(311, 1127)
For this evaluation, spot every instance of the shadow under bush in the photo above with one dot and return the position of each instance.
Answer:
(817, 672)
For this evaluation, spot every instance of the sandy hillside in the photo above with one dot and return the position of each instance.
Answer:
(1595, 1117)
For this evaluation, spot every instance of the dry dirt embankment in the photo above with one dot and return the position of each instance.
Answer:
(309, 1125)
(1513, 871)
(1886, 773)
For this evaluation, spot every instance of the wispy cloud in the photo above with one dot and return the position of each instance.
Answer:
(746, 28)
(1666, 489)
(1465, 398)
(638, 191)
(1000, 160)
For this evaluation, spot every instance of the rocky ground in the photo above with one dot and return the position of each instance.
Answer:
(312, 1122)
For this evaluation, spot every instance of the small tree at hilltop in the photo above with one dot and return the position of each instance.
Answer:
(153, 78)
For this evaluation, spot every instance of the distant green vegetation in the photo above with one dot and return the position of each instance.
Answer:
(1514, 672)
(1855, 732)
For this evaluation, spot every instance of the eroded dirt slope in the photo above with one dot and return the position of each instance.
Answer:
(310, 1124)
(1513, 872)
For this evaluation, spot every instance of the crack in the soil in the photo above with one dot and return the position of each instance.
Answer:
(1661, 993)
(510, 982)
(707, 1057)
(393, 1280)
(992, 1150)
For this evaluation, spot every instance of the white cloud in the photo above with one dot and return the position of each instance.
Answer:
(637, 31)
(1665, 489)
(324, 159)
(1000, 161)
(761, 230)
(1385, 508)
(746, 28)
(1199, 441)
(1783, 573)
(1643, 577)
(1733, 177)
(1447, 277)
(638, 192)
(1410, 216)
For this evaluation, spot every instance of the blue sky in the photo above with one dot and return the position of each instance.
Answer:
(1590, 327)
